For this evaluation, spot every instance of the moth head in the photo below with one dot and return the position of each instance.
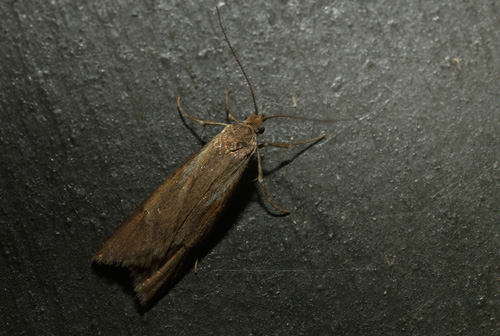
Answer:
(255, 122)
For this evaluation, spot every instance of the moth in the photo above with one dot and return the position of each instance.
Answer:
(161, 237)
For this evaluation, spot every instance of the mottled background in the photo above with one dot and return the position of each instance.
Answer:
(395, 218)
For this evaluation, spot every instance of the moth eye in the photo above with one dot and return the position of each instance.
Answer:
(261, 130)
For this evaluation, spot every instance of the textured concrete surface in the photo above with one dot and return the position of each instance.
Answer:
(395, 218)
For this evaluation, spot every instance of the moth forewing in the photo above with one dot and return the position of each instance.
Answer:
(155, 240)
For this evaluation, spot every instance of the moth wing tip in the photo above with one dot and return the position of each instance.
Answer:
(102, 259)
(143, 299)
(98, 258)
(141, 294)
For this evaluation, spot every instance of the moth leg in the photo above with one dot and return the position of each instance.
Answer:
(203, 123)
(288, 145)
(232, 117)
(261, 180)
(261, 173)
(196, 266)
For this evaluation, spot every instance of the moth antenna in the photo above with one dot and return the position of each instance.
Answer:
(238, 61)
(296, 117)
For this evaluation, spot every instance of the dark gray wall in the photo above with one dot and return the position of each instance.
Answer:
(395, 224)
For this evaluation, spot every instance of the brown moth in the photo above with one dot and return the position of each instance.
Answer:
(160, 238)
